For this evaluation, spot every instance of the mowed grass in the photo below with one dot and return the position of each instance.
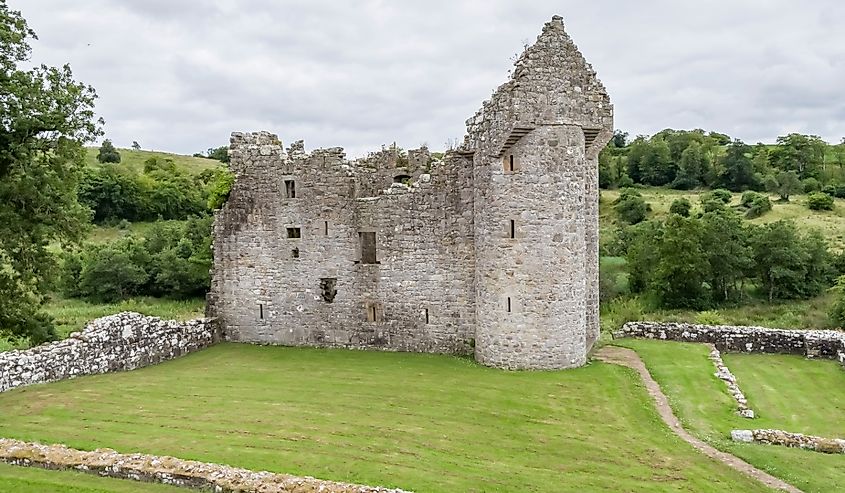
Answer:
(830, 223)
(427, 423)
(787, 392)
(32, 480)
(135, 160)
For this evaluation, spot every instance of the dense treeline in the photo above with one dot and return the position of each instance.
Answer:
(171, 260)
(686, 160)
(161, 191)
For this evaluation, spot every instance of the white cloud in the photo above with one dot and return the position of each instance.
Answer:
(181, 75)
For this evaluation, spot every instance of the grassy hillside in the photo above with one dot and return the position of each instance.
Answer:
(135, 160)
(786, 392)
(426, 423)
(830, 223)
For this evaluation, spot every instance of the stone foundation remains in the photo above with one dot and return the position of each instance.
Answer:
(491, 249)
(724, 373)
(786, 439)
(125, 341)
(169, 470)
(829, 344)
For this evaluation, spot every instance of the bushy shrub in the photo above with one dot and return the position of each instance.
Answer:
(837, 311)
(631, 207)
(811, 185)
(819, 201)
(720, 194)
(756, 204)
(108, 153)
(681, 207)
(835, 190)
(709, 317)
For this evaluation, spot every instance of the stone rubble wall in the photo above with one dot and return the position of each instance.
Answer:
(724, 373)
(787, 439)
(124, 341)
(829, 344)
(169, 470)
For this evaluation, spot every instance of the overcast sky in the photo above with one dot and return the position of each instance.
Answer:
(181, 75)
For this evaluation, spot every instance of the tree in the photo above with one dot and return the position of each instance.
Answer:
(726, 245)
(619, 139)
(693, 167)
(679, 277)
(779, 259)
(656, 167)
(837, 311)
(108, 153)
(47, 117)
(738, 170)
(219, 153)
(136, 145)
(786, 183)
(803, 154)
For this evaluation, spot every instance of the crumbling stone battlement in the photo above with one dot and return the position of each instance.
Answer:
(492, 249)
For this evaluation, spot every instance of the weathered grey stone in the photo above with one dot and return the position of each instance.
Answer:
(787, 439)
(125, 341)
(724, 373)
(493, 249)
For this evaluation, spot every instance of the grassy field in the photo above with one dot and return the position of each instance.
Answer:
(30, 480)
(830, 223)
(427, 423)
(787, 392)
(135, 160)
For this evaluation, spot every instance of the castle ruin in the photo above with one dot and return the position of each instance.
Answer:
(492, 249)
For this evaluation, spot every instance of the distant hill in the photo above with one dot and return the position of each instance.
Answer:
(135, 160)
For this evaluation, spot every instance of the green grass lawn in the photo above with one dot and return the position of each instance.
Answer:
(427, 423)
(135, 159)
(787, 392)
(31, 480)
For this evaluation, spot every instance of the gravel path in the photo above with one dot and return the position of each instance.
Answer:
(629, 358)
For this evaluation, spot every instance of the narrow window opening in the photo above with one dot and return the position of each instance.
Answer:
(510, 163)
(426, 315)
(513, 228)
(294, 233)
(509, 304)
(373, 314)
(326, 228)
(294, 253)
(290, 189)
(368, 247)
(328, 286)
(261, 311)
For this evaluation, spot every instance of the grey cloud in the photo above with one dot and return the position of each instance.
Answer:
(181, 75)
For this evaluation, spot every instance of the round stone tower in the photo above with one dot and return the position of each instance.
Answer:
(534, 147)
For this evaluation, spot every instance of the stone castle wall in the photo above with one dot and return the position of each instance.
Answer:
(269, 288)
(125, 341)
(828, 344)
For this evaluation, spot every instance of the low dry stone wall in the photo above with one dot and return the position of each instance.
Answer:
(724, 373)
(786, 439)
(125, 341)
(828, 344)
(169, 470)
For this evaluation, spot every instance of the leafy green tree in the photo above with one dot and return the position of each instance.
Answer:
(47, 117)
(111, 194)
(803, 154)
(818, 201)
(779, 258)
(811, 185)
(737, 169)
(681, 207)
(219, 188)
(636, 155)
(631, 207)
(619, 139)
(219, 153)
(837, 311)
(756, 204)
(656, 166)
(135, 145)
(694, 166)
(786, 183)
(725, 243)
(108, 153)
(678, 279)
(114, 272)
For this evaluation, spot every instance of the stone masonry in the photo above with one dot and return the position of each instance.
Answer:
(491, 249)
(125, 341)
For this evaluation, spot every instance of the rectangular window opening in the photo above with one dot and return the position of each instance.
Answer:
(294, 253)
(290, 189)
(510, 163)
(373, 314)
(509, 304)
(326, 228)
(261, 311)
(426, 315)
(368, 247)
(294, 233)
(328, 286)
(513, 228)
